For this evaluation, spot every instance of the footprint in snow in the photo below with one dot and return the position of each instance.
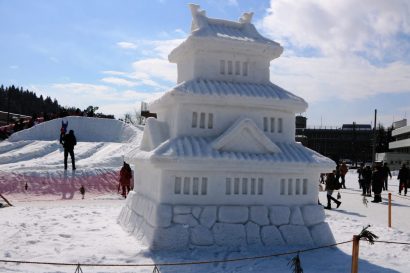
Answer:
(64, 235)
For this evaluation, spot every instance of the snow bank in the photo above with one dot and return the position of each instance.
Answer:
(34, 157)
(85, 129)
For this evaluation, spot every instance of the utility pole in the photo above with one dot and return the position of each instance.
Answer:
(374, 137)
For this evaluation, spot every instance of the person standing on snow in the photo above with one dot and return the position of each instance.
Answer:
(377, 184)
(125, 179)
(386, 173)
(343, 172)
(360, 175)
(331, 185)
(337, 173)
(82, 191)
(63, 130)
(69, 141)
(403, 176)
(367, 180)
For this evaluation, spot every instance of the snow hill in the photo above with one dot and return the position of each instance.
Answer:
(35, 157)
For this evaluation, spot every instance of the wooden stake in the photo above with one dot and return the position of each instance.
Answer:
(355, 254)
(389, 209)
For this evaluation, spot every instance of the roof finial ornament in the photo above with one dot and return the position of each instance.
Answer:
(197, 16)
(246, 18)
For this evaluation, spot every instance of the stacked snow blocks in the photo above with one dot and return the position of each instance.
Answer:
(179, 226)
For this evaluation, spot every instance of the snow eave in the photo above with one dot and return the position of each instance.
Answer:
(190, 163)
(175, 96)
(209, 43)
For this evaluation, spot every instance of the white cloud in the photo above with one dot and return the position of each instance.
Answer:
(340, 26)
(110, 100)
(323, 78)
(119, 81)
(357, 52)
(153, 71)
(80, 88)
(127, 45)
(232, 2)
(113, 72)
(155, 68)
(161, 48)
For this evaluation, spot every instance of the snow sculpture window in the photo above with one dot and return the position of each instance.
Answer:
(177, 186)
(272, 125)
(244, 185)
(187, 185)
(269, 124)
(245, 69)
(210, 121)
(297, 187)
(282, 186)
(265, 124)
(280, 125)
(228, 186)
(195, 186)
(222, 67)
(237, 68)
(253, 186)
(202, 121)
(229, 67)
(204, 186)
(194, 119)
(260, 186)
(290, 186)
(236, 186)
(305, 185)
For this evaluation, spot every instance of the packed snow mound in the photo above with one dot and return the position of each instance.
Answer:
(86, 129)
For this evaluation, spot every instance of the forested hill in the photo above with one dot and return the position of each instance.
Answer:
(16, 100)
(25, 102)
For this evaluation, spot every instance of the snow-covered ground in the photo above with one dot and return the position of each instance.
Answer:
(86, 231)
(50, 223)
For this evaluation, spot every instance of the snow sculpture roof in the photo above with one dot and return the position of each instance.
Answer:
(218, 28)
(217, 88)
(201, 148)
(197, 148)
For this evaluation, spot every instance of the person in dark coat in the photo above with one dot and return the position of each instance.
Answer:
(367, 180)
(360, 175)
(337, 173)
(125, 179)
(331, 185)
(377, 183)
(386, 173)
(82, 191)
(403, 176)
(343, 171)
(69, 141)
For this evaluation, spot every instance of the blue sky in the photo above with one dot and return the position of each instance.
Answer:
(344, 57)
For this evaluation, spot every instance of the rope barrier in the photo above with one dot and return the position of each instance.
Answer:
(390, 242)
(179, 263)
(352, 191)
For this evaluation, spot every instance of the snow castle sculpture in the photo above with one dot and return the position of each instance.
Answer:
(220, 165)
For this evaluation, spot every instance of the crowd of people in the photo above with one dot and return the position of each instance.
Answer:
(371, 179)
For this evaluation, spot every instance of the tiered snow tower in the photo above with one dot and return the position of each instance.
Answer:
(220, 165)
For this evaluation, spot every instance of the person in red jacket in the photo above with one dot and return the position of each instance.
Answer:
(125, 179)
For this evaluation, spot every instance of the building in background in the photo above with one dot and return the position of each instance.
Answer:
(351, 142)
(399, 148)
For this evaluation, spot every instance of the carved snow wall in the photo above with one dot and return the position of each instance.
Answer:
(163, 226)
